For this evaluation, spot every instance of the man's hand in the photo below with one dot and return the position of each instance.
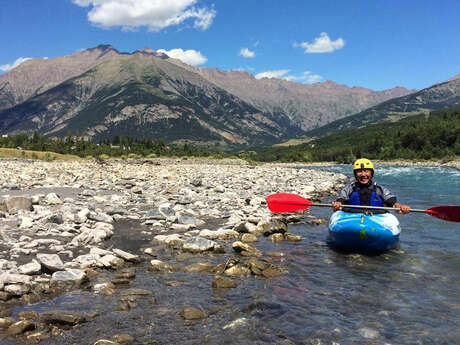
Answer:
(404, 209)
(337, 205)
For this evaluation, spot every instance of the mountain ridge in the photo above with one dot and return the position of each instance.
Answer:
(53, 96)
(439, 96)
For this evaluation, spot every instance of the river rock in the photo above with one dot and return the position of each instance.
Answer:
(109, 260)
(160, 266)
(292, 238)
(20, 327)
(199, 267)
(174, 240)
(16, 289)
(222, 282)
(245, 249)
(31, 268)
(52, 262)
(13, 278)
(248, 238)
(221, 234)
(16, 203)
(87, 260)
(188, 220)
(6, 322)
(123, 339)
(241, 322)
(62, 317)
(52, 199)
(277, 237)
(199, 244)
(166, 210)
(238, 270)
(125, 255)
(190, 313)
(69, 276)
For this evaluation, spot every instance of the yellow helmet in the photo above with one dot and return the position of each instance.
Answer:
(363, 163)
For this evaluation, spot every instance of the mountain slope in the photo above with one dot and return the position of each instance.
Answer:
(39, 75)
(439, 96)
(137, 95)
(309, 106)
(99, 92)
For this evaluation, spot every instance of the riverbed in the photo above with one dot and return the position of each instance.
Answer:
(407, 296)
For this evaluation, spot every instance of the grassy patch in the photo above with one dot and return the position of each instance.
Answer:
(40, 155)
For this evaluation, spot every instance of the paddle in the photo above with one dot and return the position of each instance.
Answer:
(285, 202)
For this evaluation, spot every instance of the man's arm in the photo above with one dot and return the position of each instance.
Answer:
(343, 198)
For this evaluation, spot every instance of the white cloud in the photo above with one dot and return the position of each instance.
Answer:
(8, 67)
(246, 53)
(154, 14)
(305, 77)
(272, 74)
(191, 57)
(322, 44)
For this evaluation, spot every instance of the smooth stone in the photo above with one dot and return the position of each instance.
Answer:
(242, 322)
(51, 262)
(62, 317)
(125, 255)
(188, 220)
(14, 278)
(223, 282)
(199, 267)
(292, 238)
(245, 249)
(70, 275)
(16, 289)
(16, 203)
(249, 238)
(160, 266)
(52, 199)
(198, 244)
(6, 322)
(20, 327)
(190, 313)
(277, 237)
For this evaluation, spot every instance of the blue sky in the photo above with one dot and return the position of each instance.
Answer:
(376, 44)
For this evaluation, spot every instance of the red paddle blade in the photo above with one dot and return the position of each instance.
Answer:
(285, 202)
(448, 212)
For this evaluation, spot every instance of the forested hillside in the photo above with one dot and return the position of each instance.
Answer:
(432, 136)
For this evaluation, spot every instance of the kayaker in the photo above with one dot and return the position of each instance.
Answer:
(365, 192)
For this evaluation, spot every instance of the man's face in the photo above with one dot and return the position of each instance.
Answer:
(363, 175)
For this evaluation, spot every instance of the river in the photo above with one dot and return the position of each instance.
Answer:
(407, 296)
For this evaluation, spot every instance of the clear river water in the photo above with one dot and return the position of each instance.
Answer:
(408, 296)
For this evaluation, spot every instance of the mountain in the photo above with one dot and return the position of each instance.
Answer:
(309, 106)
(439, 96)
(100, 92)
(39, 75)
(140, 96)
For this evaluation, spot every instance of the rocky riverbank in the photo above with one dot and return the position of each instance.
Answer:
(63, 223)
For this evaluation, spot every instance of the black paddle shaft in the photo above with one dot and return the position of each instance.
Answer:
(368, 207)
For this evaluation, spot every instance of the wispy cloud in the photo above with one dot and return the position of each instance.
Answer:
(154, 14)
(7, 67)
(272, 74)
(246, 53)
(305, 77)
(190, 57)
(322, 44)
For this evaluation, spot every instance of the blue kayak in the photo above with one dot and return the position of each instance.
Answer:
(359, 232)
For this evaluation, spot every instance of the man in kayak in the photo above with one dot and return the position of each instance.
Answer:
(365, 192)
